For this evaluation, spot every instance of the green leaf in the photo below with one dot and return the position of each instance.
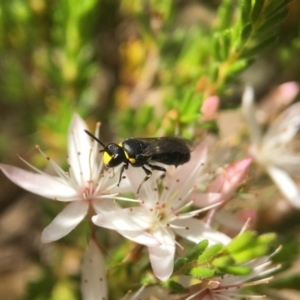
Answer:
(189, 118)
(179, 263)
(246, 32)
(202, 272)
(223, 261)
(216, 46)
(197, 250)
(214, 71)
(174, 286)
(272, 22)
(184, 104)
(276, 6)
(245, 11)
(241, 241)
(257, 8)
(225, 44)
(251, 253)
(266, 43)
(238, 66)
(236, 270)
(209, 253)
(225, 13)
(266, 238)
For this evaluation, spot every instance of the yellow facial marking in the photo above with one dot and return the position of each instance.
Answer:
(106, 158)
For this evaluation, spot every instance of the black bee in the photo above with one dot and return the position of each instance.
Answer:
(141, 152)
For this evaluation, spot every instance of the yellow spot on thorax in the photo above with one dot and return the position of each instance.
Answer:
(131, 160)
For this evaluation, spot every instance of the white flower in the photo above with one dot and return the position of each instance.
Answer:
(274, 149)
(93, 277)
(161, 214)
(86, 182)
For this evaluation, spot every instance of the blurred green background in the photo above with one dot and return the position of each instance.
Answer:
(142, 68)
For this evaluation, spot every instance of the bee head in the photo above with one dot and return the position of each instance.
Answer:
(113, 155)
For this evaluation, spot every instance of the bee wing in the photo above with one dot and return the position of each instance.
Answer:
(166, 145)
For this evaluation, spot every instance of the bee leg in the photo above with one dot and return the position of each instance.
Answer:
(158, 168)
(124, 167)
(148, 175)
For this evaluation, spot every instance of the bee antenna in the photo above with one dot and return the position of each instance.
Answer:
(95, 138)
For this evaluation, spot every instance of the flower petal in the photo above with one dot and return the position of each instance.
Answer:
(184, 178)
(284, 128)
(104, 205)
(206, 199)
(280, 96)
(65, 221)
(79, 144)
(93, 277)
(231, 178)
(209, 108)
(196, 230)
(162, 257)
(131, 223)
(286, 185)
(250, 113)
(40, 184)
(128, 219)
(140, 237)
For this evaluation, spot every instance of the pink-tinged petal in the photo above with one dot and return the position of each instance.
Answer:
(93, 277)
(231, 178)
(249, 111)
(128, 219)
(209, 108)
(162, 257)
(286, 185)
(286, 92)
(281, 96)
(65, 221)
(196, 230)
(79, 144)
(44, 185)
(206, 199)
(284, 128)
